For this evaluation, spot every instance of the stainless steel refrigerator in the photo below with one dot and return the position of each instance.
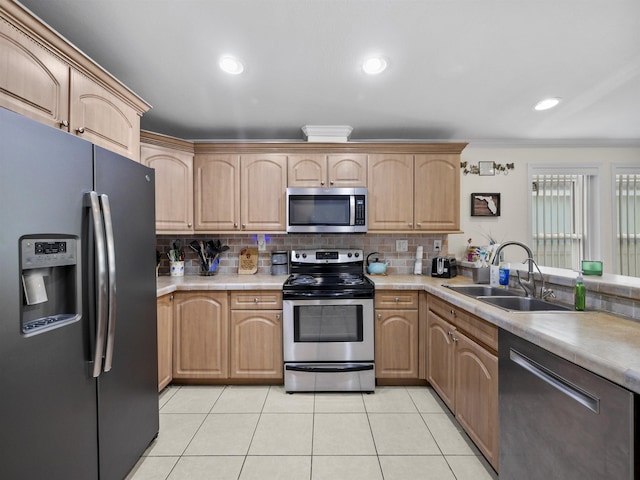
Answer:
(78, 348)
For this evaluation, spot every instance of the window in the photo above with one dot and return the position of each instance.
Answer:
(627, 216)
(564, 215)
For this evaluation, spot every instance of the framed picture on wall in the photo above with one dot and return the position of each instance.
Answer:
(485, 204)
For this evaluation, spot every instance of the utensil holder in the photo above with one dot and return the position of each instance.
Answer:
(176, 269)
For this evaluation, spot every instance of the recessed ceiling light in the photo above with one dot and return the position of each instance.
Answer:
(231, 65)
(547, 103)
(374, 65)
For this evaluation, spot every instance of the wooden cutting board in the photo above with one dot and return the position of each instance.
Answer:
(248, 261)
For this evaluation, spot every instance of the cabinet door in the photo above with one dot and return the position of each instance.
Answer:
(165, 341)
(102, 118)
(396, 344)
(174, 188)
(263, 180)
(217, 192)
(201, 336)
(256, 344)
(437, 190)
(307, 170)
(476, 400)
(347, 170)
(440, 362)
(390, 183)
(33, 81)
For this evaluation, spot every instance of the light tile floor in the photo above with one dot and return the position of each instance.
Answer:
(261, 432)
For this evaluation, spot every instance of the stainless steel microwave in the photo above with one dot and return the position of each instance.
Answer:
(326, 210)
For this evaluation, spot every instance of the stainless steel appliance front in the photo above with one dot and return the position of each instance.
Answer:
(326, 210)
(328, 345)
(325, 329)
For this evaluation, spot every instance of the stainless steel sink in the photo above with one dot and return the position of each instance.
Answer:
(508, 299)
(482, 291)
(524, 304)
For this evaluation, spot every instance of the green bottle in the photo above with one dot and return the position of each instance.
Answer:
(580, 294)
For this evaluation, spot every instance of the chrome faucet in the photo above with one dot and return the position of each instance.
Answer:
(528, 285)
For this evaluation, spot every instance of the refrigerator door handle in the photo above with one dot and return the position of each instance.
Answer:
(101, 261)
(111, 264)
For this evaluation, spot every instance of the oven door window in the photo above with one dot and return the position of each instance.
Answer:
(320, 210)
(328, 323)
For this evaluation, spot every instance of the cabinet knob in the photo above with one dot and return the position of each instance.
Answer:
(379, 316)
(396, 299)
(410, 225)
(171, 298)
(449, 333)
(418, 225)
(455, 339)
(80, 130)
(256, 300)
(64, 124)
(277, 316)
(321, 183)
(331, 182)
(235, 225)
(189, 225)
(244, 225)
(453, 312)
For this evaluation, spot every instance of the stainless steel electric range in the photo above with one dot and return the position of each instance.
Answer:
(328, 323)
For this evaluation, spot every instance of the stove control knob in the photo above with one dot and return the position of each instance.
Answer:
(357, 254)
(304, 255)
(349, 254)
(297, 255)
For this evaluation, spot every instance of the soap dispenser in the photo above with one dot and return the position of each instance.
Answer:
(580, 294)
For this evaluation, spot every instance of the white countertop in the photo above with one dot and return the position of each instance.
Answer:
(605, 344)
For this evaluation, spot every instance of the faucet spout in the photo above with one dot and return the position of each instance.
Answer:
(530, 291)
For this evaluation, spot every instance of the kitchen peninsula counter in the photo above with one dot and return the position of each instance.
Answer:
(605, 344)
(602, 343)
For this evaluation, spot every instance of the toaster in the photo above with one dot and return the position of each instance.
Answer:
(444, 267)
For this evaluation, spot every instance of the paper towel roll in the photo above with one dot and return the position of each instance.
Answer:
(419, 253)
(34, 289)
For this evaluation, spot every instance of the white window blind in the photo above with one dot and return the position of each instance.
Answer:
(628, 223)
(560, 223)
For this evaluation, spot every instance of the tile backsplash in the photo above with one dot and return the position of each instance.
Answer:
(399, 262)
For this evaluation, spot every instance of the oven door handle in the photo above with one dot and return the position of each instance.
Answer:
(349, 367)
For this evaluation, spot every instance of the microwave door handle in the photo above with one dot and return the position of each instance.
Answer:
(352, 210)
(111, 262)
(101, 279)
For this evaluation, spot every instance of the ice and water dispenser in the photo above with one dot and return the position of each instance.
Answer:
(50, 285)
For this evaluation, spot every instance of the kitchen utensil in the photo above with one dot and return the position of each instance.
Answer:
(377, 267)
(195, 246)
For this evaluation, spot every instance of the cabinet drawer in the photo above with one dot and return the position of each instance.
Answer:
(256, 300)
(396, 299)
(477, 328)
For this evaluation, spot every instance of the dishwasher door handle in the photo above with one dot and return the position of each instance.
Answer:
(556, 381)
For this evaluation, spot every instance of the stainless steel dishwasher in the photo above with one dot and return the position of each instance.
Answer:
(560, 421)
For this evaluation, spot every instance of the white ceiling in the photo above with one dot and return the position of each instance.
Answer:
(467, 70)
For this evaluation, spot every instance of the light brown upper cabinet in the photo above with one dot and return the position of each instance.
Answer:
(47, 79)
(217, 192)
(390, 192)
(102, 118)
(320, 170)
(174, 187)
(414, 193)
(240, 192)
(437, 192)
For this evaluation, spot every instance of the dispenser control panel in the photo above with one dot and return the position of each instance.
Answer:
(48, 252)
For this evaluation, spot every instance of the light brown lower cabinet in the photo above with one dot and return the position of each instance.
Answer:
(165, 340)
(256, 344)
(397, 336)
(462, 366)
(201, 335)
(220, 335)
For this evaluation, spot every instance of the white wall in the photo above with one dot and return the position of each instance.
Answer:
(514, 189)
